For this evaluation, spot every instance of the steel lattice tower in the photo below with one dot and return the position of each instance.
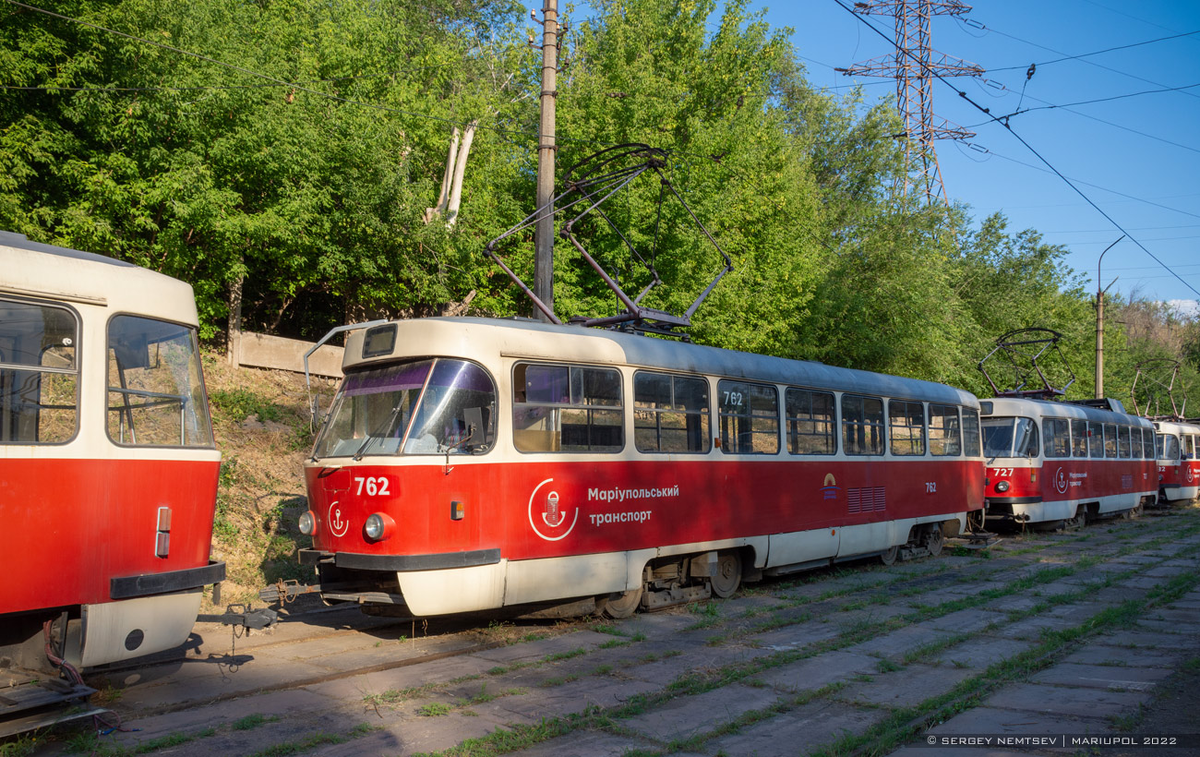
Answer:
(914, 66)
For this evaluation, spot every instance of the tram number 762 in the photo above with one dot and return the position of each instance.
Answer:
(375, 486)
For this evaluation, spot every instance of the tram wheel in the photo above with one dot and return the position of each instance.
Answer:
(933, 540)
(729, 575)
(621, 606)
(1080, 519)
(888, 557)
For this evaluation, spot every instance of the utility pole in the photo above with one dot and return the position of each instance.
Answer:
(543, 237)
(1100, 323)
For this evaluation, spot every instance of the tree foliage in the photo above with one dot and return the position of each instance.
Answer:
(294, 175)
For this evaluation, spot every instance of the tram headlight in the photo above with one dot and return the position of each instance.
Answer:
(379, 526)
(308, 523)
(1002, 486)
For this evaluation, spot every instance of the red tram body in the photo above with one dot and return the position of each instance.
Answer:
(1178, 468)
(470, 464)
(108, 471)
(1050, 462)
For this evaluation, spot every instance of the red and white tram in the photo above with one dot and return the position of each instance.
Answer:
(1178, 468)
(472, 464)
(1051, 462)
(108, 471)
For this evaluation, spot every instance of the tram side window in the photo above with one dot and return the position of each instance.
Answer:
(862, 425)
(1148, 440)
(1079, 438)
(155, 391)
(561, 408)
(1124, 446)
(1189, 447)
(749, 418)
(39, 375)
(945, 437)
(670, 413)
(971, 439)
(1135, 439)
(906, 424)
(1095, 439)
(810, 422)
(1057, 432)
(1110, 440)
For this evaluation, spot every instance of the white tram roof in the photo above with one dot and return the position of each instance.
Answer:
(33, 269)
(1036, 408)
(483, 338)
(1176, 427)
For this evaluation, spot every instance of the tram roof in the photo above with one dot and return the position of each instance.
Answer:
(1177, 427)
(519, 338)
(45, 271)
(1055, 409)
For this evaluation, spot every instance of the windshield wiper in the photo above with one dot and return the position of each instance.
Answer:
(373, 435)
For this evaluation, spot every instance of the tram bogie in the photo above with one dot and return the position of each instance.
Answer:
(1052, 464)
(469, 464)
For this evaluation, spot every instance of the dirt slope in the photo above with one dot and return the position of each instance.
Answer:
(261, 425)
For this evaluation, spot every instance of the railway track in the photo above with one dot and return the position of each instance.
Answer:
(861, 642)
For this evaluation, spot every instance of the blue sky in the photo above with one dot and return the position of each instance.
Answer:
(1137, 158)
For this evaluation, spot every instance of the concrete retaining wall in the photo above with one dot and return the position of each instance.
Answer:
(264, 351)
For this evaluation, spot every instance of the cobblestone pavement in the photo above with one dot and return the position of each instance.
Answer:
(1053, 635)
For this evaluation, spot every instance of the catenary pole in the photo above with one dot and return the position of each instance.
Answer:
(543, 238)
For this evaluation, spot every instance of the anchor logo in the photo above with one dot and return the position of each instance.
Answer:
(337, 525)
(1060, 481)
(552, 516)
(1189, 474)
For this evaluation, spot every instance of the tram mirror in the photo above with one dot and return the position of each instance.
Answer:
(132, 351)
(474, 420)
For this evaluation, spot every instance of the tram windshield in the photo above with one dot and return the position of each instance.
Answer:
(155, 391)
(1010, 437)
(419, 407)
(1168, 447)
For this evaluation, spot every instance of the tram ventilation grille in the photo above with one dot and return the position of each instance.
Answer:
(1127, 482)
(868, 499)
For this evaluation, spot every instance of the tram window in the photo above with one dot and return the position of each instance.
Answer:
(1148, 442)
(906, 424)
(1079, 438)
(670, 413)
(38, 373)
(1057, 434)
(1168, 447)
(810, 422)
(372, 410)
(862, 425)
(1110, 440)
(1095, 439)
(970, 432)
(1124, 445)
(749, 416)
(945, 437)
(1189, 447)
(155, 391)
(567, 408)
(456, 414)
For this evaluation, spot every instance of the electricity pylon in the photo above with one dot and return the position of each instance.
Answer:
(914, 66)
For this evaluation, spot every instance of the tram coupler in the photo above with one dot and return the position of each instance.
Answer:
(286, 591)
(243, 616)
